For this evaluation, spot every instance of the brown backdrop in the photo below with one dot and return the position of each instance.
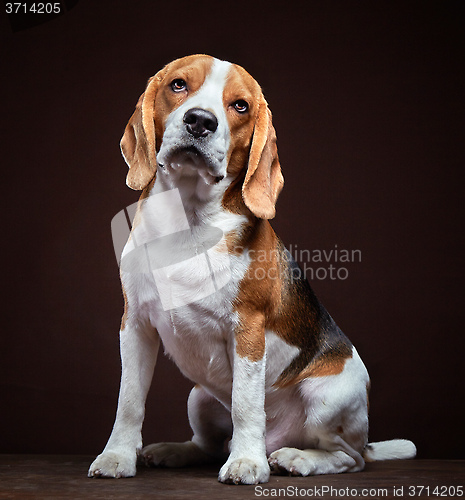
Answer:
(367, 100)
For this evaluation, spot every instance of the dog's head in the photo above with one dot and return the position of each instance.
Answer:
(208, 116)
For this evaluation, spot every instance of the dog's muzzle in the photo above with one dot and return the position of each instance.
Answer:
(200, 122)
(195, 139)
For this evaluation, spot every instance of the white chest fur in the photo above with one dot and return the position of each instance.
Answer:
(180, 279)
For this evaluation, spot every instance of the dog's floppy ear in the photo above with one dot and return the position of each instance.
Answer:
(138, 141)
(263, 180)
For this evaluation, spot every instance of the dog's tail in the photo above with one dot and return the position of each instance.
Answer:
(395, 449)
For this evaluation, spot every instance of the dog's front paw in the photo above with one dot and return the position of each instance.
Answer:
(245, 471)
(111, 464)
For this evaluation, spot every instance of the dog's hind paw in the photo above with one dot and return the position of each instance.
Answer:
(311, 462)
(173, 455)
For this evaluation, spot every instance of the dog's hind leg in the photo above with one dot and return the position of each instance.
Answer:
(338, 449)
(211, 423)
(313, 462)
(336, 428)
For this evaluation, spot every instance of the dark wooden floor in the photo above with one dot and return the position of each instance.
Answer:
(44, 477)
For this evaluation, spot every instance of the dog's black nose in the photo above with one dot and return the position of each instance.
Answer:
(200, 122)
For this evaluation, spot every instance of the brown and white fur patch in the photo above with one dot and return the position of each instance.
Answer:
(274, 374)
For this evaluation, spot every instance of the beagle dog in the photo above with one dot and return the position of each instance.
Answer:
(278, 385)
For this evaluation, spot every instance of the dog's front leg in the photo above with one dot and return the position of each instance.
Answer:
(139, 348)
(247, 462)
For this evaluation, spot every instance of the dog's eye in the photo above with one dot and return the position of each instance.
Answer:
(241, 106)
(178, 85)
